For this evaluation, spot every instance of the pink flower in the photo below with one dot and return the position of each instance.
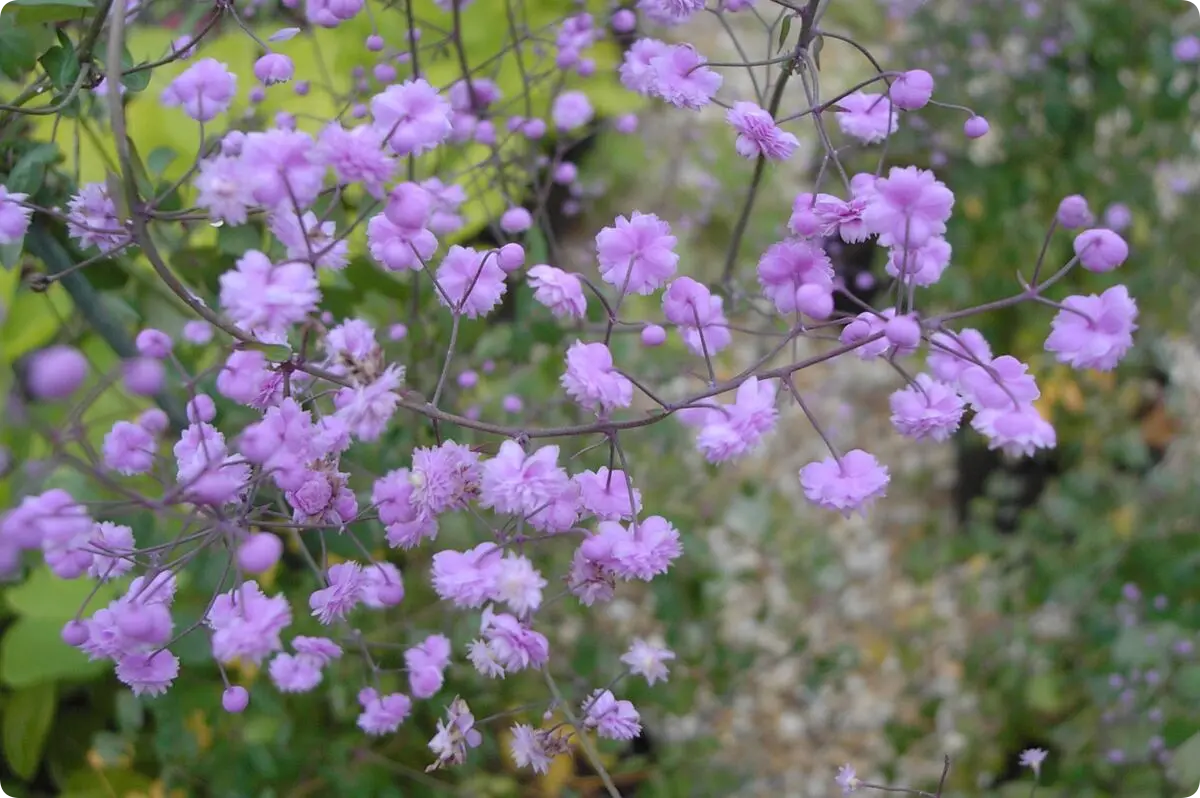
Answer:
(129, 449)
(356, 156)
(910, 207)
(998, 384)
(114, 547)
(669, 12)
(571, 110)
(444, 477)
(273, 68)
(382, 714)
(642, 550)
(844, 219)
(399, 248)
(1100, 250)
(520, 484)
(413, 117)
(246, 624)
(406, 525)
(455, 736)
(1018, 430)
(1094, 332)
(648, 660)
(426, 663)
(927, 409)
(282, 168)
(382, 585)
(952, 354)
(507, 645)
(612, 719)
(867, 117)
(266, 299)
(331, 13)
(367, 408)
(311, 240)
(637, 73)
(294, 674)
(467, 579)
(921, 265)
(789, 264)
(593, 381)
(735, 430)
(758, 135)
(14, 217)
(323, 498)
(535, 748)
(519, 585)
(343, 594)
(607, 495)
(205, 470)
(637, 254)
(148, 673)
(850, 484)
(445, 203)
(204, 90)
(912, 90)
(560, 291)
(681, 78)
(92, 219)
(471, 282)
(222, 189)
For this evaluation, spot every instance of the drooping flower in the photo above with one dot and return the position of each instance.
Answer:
(637, 254)
(870, 118)
(413, 116)
(454, 736)
(927, 409)
(648, 660)
(909, 207)
(847, 484)
(593, 381)
(267, 299)
(471, 282)
(790, 264)
(611, 718)
(204, 90)
(1094, 332)
(758, 134)
(558, 290)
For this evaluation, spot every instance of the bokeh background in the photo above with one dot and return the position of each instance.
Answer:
(985, 607)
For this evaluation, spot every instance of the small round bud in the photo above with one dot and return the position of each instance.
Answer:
(903, 332)
(485, 132)
(488, 366)
(516, 220)
(814, 301)
(912, 90)
(976, 127)
(56, 372)
(154, 420)
(301, 88)
(514, 123)
(374, 42)
(624, 21)
(468, 379)
(1118, 216)
(384, 73)
(1100, 250)
(566, 58)
(201, 409)
(653, 335)
(390, 594)
(359, 111)
(512, 404)
(197, 332)
(408, 206)
(153, 343)
(397, 332)
(511, 257)
(257, 94)
(565, 173)
(235, 699)
(1074, 212)
(143, 376)
(473, 412)
(259, 553)
(74, 633)
(626, 124)
(534, 129)
(586, 67)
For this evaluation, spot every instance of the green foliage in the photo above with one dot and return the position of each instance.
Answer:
(28, 715)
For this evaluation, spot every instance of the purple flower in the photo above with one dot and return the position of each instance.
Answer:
(471, 282)
(1017, 430)
(1094, 331)
(282, 168)
(246, 624)
(847, 779)
(129, 449)
(642, 550)
(114, 549)
(593, 381)
(758, 135)
(951, 355)
(455, 735)
(867, 117)
(266, 299)
(912, 90)
(790, 264)
(331, 13)
(927, 409)
(998, 384)
(444, 477)
(607, 494)
(273, 68)
(637, 254)
(679, 76)
(14, 217)
(467, 579)
(648, 660)
(294, 674)
(571, 110)
(611, 718)
(356, 156)
(846, 485)
(426, 663)
(1100, 250)
(148, 673)
(343, 594)
(413, 117)
(310, 240)
(204, 90)
(558, 290)
(909, 207)
(382, 714)
(92, 219)
(670, 12)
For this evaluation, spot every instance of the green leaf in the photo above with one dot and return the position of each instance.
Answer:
(1187, 760)
(18, 50)
(27, 720)
(27, 176)
(25, 12)
(45, 597)
(10, 254)
(32, 321)
(61, 64)
(136, 81)
(276, 353)
(141, 177)
(31, 652)
(784, 30)
(159, 159)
